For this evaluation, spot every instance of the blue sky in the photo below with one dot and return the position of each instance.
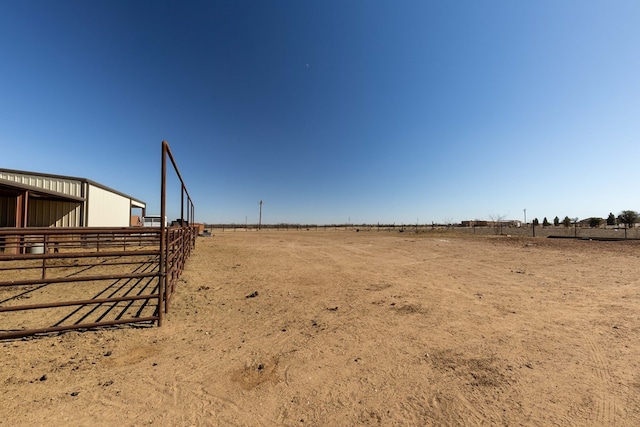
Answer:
(332, 111)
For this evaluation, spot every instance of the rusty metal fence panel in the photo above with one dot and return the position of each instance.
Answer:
(54, 279)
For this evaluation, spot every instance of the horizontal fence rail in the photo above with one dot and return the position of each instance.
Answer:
(58, 279)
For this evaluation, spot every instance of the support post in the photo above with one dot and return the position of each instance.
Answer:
(162, 279)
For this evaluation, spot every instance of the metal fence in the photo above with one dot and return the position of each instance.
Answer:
(573, 231)
(79, 278)
(55, 279)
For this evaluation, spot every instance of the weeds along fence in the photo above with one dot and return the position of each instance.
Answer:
(58, 279)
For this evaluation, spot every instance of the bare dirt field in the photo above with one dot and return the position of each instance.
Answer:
(339, 328)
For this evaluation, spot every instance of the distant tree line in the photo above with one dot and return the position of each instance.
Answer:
(627, 218)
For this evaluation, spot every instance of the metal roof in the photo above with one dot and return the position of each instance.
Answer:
(56, 194)
(6, 183)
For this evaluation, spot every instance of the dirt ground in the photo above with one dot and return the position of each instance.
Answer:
(322, 328)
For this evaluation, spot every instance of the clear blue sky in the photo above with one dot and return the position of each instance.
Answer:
(330, 111)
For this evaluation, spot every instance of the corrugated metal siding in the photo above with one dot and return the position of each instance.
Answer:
(53, 213)
(59, 185)
(7, 211)
(107, 209)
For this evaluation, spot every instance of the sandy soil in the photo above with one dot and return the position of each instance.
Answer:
(344, 328)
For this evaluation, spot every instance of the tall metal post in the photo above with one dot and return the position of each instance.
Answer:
(260, 220)
(182, 206)
(162, 280)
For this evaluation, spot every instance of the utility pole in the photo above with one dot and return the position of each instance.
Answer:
(260, 220)
(525, 217)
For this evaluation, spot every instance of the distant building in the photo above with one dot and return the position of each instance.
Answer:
(136, 221)
(32, 199)
(482, 223)
(474, 223)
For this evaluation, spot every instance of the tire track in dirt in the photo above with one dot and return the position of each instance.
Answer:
(605, 405)
(190, 399)
(470, 415)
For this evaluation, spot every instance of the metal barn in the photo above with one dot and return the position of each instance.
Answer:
(31, 199)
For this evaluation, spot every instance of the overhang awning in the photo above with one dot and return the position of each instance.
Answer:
(138, 204)
(11, 188)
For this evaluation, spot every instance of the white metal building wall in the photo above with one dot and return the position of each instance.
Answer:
(53, 213)
(69, 187)
(107, 209)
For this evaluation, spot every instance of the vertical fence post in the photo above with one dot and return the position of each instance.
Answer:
(161, 261)
(172, 251)
(168, 271)
(44, 259)
(182, 218)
